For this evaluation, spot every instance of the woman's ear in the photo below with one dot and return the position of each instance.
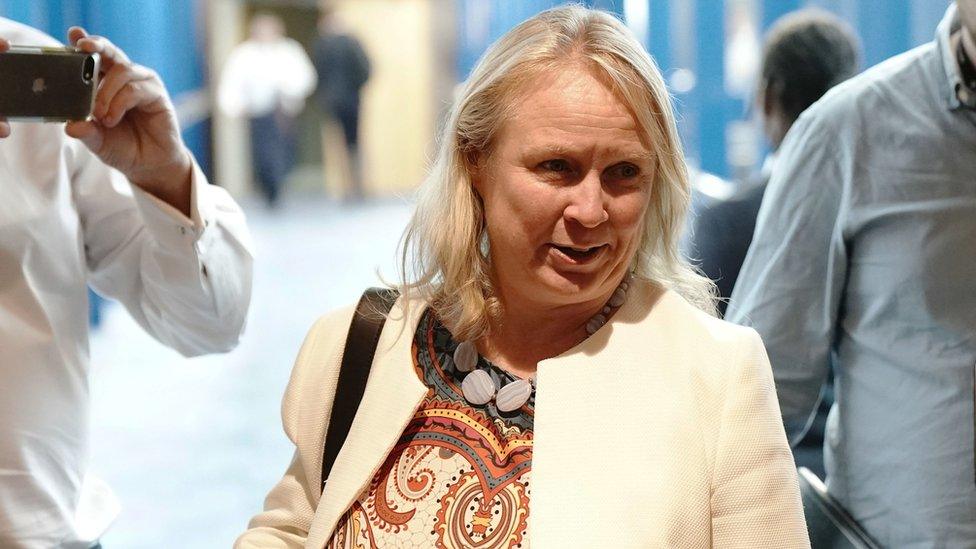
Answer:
(475, 164)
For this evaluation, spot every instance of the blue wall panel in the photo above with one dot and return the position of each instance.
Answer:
(481, 22)
(924, 17)
(659, 34)
(885, 29)
(715, 108)
(774, 9)
(613, 6)
(690, 34)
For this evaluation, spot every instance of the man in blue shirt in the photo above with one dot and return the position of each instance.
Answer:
(864, 257)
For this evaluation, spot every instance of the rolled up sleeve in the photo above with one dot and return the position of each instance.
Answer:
(185, 280)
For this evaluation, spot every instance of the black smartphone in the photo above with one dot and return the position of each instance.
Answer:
(47, 84)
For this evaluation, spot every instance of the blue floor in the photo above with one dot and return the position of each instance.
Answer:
(192, 446)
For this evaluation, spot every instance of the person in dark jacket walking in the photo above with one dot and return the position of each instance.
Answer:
(343, 69)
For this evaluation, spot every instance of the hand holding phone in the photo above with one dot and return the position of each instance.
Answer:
(133, 126)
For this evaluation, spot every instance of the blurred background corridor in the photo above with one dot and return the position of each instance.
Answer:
(191, 446)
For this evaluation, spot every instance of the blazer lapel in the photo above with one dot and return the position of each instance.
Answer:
(393, 393)
(580, 396)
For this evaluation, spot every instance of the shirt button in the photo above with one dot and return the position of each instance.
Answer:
(182, 230)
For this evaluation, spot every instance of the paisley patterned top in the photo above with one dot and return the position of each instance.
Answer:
(459, 475)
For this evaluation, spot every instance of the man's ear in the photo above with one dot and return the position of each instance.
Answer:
(765, 99)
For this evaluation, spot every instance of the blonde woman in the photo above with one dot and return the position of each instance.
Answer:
(552, 374)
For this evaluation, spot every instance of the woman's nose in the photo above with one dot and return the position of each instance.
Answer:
(587, 204)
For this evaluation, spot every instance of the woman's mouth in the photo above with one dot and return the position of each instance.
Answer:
(577, 255)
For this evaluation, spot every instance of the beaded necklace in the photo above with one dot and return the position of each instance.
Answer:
(478, 388)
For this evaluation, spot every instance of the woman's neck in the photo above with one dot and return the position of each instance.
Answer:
(524, 333)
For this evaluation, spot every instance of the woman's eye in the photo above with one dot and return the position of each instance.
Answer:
(557, 166)
(624, 171)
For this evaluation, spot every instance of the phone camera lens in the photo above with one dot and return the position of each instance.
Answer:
(89, 71)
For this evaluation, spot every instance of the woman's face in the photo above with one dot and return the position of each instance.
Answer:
(565, 191)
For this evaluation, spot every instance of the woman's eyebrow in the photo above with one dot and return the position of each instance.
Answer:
(563, 150)
(549, 150)
(630, 152)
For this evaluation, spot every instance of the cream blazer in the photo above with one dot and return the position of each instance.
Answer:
(660, 430)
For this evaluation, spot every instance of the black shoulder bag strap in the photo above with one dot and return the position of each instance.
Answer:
(357, 359)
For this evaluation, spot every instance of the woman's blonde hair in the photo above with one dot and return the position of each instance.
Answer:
(444, 249)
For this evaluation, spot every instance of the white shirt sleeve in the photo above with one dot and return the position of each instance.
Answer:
(296, 77)
(230, 88)
(790, 286)
(187, 281)
(301, 84)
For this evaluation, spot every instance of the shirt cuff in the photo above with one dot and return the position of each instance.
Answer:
(169, 227)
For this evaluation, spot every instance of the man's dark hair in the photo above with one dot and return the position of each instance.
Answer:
(805, 54)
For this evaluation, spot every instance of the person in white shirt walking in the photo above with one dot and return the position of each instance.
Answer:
(120, 205)
(266, 79)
